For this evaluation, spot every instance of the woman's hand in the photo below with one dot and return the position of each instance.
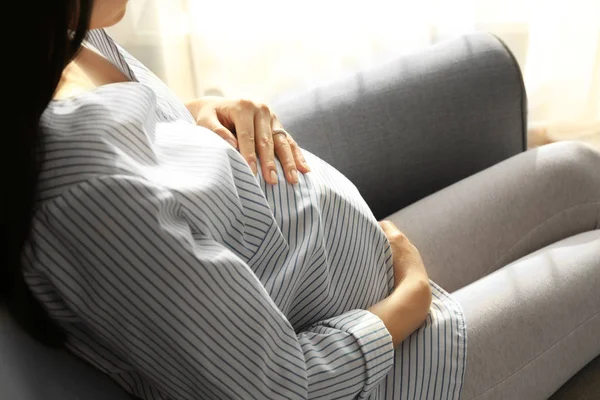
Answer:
(407, 307)
(252, 128)
(406, 258)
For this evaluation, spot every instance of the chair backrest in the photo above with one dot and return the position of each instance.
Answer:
(31, 371)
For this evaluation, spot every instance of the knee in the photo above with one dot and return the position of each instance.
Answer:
(581, 153)
(575, 164)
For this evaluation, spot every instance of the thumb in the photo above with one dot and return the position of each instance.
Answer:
(394, 235)
(388, 227)
(215, 125)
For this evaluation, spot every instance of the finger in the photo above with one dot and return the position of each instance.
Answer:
(299, 159)
(298, 156)
(286, 157)
(284, 152)
(243, 120)
(386, 225)
(264, 144)
(215, 125)
(389, 228)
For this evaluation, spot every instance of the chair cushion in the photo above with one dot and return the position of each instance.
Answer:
(31, 371)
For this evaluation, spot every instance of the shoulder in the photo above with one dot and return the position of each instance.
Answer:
(107, 131)
(106, 104)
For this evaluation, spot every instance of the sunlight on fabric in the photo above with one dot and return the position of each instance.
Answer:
(264, 48)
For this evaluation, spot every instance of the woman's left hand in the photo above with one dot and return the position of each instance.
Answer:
(252, 128)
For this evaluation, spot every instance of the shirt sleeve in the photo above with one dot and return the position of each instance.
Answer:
(190, 315)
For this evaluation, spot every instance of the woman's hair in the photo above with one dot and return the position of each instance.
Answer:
(51, 38)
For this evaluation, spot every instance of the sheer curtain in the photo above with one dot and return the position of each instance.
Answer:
(263, 48)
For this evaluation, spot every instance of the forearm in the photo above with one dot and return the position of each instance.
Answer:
(405, 310)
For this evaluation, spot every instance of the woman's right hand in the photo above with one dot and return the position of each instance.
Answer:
(407, 307)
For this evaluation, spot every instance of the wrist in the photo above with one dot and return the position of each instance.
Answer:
(194, 106)
(416, 290)
(406, 308)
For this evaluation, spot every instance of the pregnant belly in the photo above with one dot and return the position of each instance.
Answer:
(337, 258)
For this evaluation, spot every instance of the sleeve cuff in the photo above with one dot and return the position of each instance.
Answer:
(374, 341)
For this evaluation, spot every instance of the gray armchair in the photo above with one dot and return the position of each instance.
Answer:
(439, 116)
(435, 117)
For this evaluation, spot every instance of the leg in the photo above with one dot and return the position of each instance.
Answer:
(486, 221)
(534, 323)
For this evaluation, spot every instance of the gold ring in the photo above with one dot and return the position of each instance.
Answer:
(278, 132)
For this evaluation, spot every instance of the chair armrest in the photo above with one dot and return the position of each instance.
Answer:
(413, 126)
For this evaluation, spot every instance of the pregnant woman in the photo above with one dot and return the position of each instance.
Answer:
(185, 267)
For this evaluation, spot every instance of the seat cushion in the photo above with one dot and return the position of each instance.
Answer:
(31, 371)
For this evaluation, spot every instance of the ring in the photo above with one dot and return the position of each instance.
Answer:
(278, 132)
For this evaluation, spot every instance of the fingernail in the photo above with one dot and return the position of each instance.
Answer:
(294, 176)
(274, 177)
(232, 143)
(253, 167)
(305, 165)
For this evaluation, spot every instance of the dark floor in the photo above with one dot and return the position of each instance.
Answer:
(583, 386)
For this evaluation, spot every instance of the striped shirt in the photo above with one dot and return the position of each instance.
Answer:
(181, 275)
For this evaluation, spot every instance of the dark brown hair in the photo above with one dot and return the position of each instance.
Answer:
(37, 54)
